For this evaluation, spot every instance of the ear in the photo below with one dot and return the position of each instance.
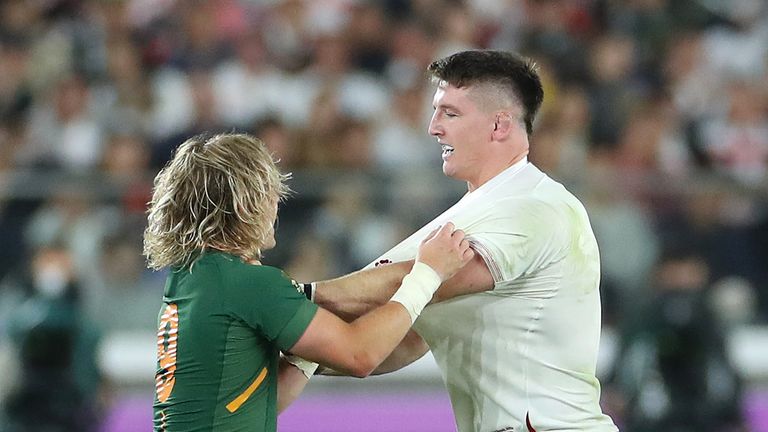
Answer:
(502, 126)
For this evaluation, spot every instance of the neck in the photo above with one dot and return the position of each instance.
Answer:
(484, 177)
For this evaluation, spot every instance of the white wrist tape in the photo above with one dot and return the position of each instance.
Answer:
(417, 289)
(305, 366)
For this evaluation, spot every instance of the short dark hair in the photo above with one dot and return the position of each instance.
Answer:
(515, 72)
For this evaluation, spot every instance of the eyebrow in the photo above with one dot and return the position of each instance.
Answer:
(447, 106)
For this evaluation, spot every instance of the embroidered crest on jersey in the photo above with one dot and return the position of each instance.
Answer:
(299, 287)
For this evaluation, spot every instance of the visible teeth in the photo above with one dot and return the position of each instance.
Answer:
(446, 148)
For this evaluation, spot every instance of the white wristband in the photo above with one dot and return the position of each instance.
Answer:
(305, 366)
(417, 289)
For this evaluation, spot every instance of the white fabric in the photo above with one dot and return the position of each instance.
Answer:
(528, 348)
(417, 289)
(306, 367)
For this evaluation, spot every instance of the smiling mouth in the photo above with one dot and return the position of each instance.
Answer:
(447, 150)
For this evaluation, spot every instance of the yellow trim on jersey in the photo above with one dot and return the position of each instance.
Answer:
(235, 404)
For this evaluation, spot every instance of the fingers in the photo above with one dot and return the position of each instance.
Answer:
(446, 250)
(432, 234)
(467, 255)
(459, 240)
(465, 251)
(443, 230)
(447, 229)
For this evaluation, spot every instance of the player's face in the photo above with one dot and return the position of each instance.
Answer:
(464, 131)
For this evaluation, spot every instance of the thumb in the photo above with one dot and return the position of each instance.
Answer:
(468, 255)
(431, 235)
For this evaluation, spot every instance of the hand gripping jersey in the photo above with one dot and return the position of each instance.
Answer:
(221, 328)
(522, 356)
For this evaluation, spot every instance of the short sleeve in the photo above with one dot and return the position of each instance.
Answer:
(517, 238)
(270, 302)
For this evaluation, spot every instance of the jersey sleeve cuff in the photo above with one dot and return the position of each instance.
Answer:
(487, 257)
(296, 326)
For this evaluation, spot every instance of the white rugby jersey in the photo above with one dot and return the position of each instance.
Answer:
(522, 356)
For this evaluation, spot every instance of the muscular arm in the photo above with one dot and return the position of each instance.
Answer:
(356, 293)
(410, 349)
(357, 348)
(472, 278)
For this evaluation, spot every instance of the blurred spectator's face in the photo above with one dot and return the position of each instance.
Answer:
(332, 55)
(71, 99)
(52, 271)
(612, 59)
(123, 61)
(686, 274)
(127, 156)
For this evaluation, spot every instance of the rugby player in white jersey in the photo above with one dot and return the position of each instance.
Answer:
(515, 333)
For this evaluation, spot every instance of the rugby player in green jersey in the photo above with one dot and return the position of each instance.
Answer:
(226, 319)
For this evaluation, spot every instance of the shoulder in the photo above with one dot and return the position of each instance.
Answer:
(270, 273)
(257, 273)
(528, 208)
(238, 273)
(537, 218)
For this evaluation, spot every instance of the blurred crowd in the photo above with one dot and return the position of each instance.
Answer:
(656, 115)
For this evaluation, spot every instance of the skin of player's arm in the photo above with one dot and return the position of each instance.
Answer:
(410, 349)
(357, 293)
(290, 383)
(472, 278)
(353, 295)
(355, 348)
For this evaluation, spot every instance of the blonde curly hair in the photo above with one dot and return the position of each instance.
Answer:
(217, 192)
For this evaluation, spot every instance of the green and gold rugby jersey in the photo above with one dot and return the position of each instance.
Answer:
(221, 328)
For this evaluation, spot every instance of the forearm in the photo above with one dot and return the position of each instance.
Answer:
(410, 349)
(290, 383)
(359, 347)
(352, 295)
(378, 333)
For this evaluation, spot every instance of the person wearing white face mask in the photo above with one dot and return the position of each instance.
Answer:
(52, 273)
(56, 347)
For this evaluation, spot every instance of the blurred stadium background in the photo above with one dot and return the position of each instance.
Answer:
(656, 115)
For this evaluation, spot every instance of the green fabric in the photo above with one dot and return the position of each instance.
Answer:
(233, 320)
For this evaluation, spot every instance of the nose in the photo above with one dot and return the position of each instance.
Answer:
(434, 127)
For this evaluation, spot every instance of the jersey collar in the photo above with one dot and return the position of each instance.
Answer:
(502, 176)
